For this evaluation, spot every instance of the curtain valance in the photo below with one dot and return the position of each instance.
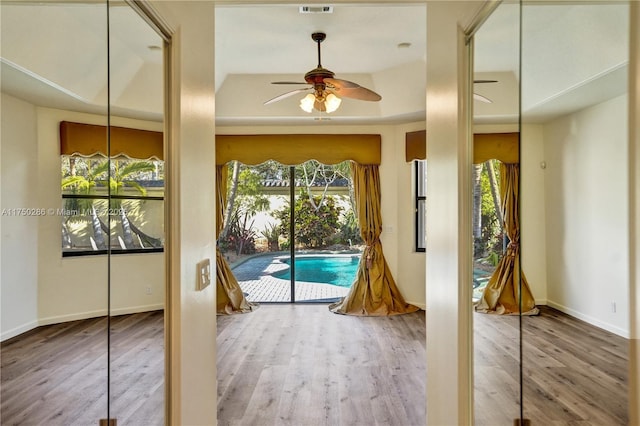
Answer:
(91, 139)
(486, 146)
(298, 148)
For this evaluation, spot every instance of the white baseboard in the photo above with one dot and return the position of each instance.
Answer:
(72, 317)
(16, 331)
(137, 309)
(591, 320)
(77, 316)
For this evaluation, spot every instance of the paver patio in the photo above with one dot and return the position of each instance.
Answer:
(256, 281)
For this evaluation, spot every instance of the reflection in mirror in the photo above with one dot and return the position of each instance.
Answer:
(136, 220)
(495, 279)
(575, 231)
(54, 323)
(82, 237)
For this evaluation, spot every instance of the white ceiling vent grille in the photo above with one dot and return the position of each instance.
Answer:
(316, 9)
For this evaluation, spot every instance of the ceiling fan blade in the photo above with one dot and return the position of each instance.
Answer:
(485, 81)
(341, 84)
(349, 89)
(286, 95)
(481, 98)
(289, 82)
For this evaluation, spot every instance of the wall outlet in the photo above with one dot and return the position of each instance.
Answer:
(203, 274)
(147, 290)
(613, 307)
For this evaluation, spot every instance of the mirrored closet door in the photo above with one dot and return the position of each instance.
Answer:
(575, 232)
(82, 285)
(496, 272)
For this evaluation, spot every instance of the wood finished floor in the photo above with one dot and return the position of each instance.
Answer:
(301, 365)
(57, 375)
(574, 373)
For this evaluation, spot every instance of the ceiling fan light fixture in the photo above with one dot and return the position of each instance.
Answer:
(307, 102)
(332, 102)
(328, 103)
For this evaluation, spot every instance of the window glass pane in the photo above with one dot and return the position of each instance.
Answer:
(421, 178)
(132, 220)
(421, 238)
(137, 224)
(84, 224)
(84, 176)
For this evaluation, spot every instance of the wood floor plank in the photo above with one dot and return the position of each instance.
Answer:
(57, 375)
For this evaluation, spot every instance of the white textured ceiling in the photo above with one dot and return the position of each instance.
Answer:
(572, 56)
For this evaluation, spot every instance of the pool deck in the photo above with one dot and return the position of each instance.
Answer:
(255, 279)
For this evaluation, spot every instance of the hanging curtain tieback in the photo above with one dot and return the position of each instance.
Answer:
(369, 252)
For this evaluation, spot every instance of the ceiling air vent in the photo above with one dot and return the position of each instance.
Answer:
(316, 9)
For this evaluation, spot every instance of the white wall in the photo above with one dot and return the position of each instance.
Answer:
(19, 242)
(587, 222)
(532, 211)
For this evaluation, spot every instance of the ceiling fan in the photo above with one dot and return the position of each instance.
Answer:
(479, 97)
(325, 88)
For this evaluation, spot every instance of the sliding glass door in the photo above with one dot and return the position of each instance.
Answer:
(290, 231)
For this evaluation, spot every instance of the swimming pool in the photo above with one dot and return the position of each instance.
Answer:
(335, 270)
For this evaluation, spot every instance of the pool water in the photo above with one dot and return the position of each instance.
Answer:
(340, 271)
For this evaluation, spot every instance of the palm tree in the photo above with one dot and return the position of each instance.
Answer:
(121, 176)
(119, 179)
(85, 185)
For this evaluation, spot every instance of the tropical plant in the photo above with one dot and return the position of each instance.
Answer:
(271, 232)
(241, 236)
(316, 224)
(349, 229)
(85, 185)
(244, 194)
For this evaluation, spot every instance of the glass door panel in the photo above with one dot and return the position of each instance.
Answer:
(327, 239)
(54, 267)
(255, 239)
(135, 219)
(575, 231)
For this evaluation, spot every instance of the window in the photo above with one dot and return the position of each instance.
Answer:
(114, 205)
(420, 189)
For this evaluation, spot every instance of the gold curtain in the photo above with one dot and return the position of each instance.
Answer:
(374, 291)
(508, 284)
(230, 299)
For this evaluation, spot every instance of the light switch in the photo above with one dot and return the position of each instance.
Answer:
(203, 274)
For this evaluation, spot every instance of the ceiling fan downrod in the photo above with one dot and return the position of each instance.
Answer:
(318, 38)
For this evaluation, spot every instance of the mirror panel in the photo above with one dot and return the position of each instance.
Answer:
(496, 105)
(575, 224)
(82, 226)
(136, 221)
(54, 306)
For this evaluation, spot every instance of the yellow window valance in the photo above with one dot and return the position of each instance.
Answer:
(486, 146)
(91, 139)
(298, 148)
